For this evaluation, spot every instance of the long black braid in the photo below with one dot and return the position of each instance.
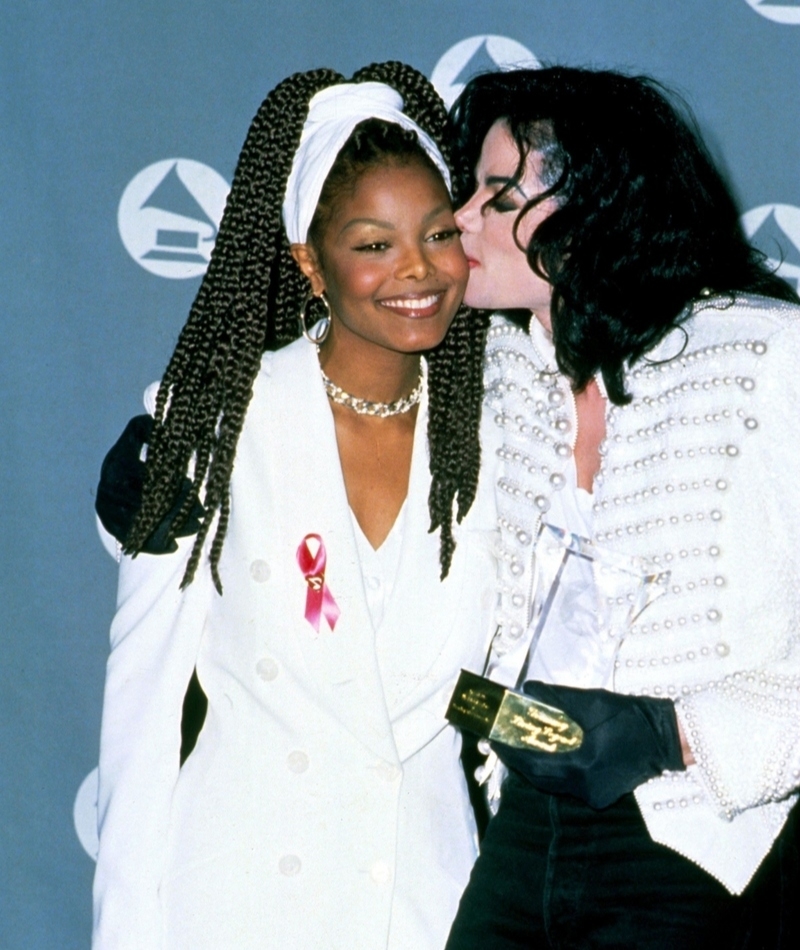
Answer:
(248, 302)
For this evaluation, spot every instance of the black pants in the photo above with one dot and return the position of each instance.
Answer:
(554, 873)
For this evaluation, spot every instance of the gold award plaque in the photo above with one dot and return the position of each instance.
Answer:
(495, 712)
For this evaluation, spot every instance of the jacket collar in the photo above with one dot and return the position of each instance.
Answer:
(419, 619)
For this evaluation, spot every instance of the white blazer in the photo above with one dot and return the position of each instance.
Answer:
(324, 805)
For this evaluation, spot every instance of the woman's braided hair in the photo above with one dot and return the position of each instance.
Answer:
(249, 301)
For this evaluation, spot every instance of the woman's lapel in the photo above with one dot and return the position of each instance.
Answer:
(307, 476)
(420, 615)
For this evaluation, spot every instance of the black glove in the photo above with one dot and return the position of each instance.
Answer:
(626, 740)
(119, 493)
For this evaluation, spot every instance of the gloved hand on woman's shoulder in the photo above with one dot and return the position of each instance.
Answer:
(119, 492)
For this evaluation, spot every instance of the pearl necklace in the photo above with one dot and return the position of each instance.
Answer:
(366, 408)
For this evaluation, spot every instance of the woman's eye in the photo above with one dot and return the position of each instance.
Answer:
(372, 246)
(445, 235)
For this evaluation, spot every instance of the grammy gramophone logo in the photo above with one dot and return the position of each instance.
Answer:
(775, 230)
(474, 55)
(169, 215)
(787, 11)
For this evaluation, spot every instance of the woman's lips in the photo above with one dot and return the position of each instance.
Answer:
(426, 305)
(472, 262)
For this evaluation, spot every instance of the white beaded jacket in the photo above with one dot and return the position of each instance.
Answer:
(699, 475)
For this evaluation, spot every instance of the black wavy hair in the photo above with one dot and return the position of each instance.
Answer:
(645, 222)
(249, 302)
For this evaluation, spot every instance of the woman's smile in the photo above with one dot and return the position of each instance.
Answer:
(415, 306)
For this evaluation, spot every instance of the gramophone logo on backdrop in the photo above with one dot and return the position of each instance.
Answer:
(786, 12)
(169, 215)
(84, 814)
(474, 55)
(775, 230)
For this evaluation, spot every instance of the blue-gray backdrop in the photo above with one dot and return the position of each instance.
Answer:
(120, 124)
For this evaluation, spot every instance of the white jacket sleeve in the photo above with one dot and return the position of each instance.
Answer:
(155, 637)
(745, 735)
(744, 727)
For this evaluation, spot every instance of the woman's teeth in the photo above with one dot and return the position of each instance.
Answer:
(413, 303)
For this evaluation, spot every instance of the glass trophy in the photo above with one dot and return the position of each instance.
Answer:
(583, 601)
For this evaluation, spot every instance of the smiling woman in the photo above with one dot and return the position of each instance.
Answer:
(324, 803)
(387, 256)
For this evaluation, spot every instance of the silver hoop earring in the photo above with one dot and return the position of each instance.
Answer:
(319, 331)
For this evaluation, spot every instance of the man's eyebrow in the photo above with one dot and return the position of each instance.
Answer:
(511, 183)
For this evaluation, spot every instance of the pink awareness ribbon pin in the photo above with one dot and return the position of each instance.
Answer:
(319, 599)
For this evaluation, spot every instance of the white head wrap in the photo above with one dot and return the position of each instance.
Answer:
(333, 113)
